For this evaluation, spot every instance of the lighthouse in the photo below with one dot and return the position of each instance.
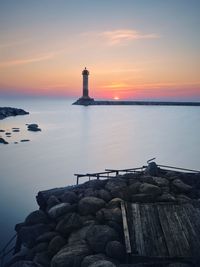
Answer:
(85, 100)
(85, 74)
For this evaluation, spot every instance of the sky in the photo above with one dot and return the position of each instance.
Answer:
(134, 49)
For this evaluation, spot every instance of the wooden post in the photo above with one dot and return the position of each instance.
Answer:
(77, 179)
(125, 226)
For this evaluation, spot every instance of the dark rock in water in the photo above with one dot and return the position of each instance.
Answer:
(2, 131)
(90, 205)
(33, 127)
(24, 140)
(36, 217)
(28, 234)
(71, 221)
(103, 263)
(3, 141)
(8, 111)
(7, 133)
(71, 255)
(88, 260)
(15, 142)
(99, 235)
(55, 245)
(25, 264)
(116, 250)
(15, 130)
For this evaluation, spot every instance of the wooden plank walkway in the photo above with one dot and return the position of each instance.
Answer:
(164, 231)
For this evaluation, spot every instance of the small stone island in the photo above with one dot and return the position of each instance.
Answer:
(147, 216)
(8, 111)
(86, 100)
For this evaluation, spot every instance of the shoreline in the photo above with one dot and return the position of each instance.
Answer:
(84, 225)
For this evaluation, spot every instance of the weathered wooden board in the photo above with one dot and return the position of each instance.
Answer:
(165, 230)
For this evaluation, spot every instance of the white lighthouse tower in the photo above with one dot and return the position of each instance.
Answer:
(85, 100)
(85, 74)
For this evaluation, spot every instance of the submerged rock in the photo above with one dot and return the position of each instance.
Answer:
(3, 141)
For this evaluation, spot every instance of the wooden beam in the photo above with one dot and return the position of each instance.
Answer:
(125, 226)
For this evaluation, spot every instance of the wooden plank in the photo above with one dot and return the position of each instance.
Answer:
(136, 224)
(126, 230)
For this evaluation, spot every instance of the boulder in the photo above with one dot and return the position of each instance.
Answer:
(99, 235)
(114, 203)
(90, 192)
(150, 189)
(90, 205)
(3, 141)
(8, 111)
(104, 194)
(88, 260)
(102, 263)
(134, 188)
(116, 250)
(40, 247)
(60, 209)
(78, 235)
(114, 214)
(56, 244)
(183, 198)
(114, 185)
(42, 259)
(69, 197)
(36, 217)
(180, 187)
(28, 234)
(33, 127)
(166, 197)
(160, 181)
(52, 201)
(25, 264)
(95, 184)
(71, 255)
(46, 237)
(71, 222)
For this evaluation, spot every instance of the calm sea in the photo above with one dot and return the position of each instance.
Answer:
(76, 139)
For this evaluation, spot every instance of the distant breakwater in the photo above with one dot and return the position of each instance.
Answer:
(85, 102)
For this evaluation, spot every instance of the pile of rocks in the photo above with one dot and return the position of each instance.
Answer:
(33, 127)
(81, 226)
(8, 111)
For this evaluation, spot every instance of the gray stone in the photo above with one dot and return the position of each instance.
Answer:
(29, 234)
(160, 181)
(152, 169)
(52, 201)
(78, 235)
(166, 197)
(114, 203)
(36, 217)
(88, 260)
(150, 189)
(104, 194)
(69, 197)
(116, 250)
(25, 264)
(114, 214)
(180, 186)
(99, 235)
(102, 263)
(3, 141)
(56, 244)
(59, 210)
(46, 237)
(115, 185)
(90, 205)
(42, 259)
(71, 255)
(134, 188)
(71, 222)
(33, 127)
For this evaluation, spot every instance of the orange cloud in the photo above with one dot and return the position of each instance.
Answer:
(119, 37)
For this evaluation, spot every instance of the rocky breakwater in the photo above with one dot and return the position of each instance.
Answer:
(8, 111)
(81, 226)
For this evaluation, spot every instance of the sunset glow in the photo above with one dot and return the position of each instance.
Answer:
(133, 49)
